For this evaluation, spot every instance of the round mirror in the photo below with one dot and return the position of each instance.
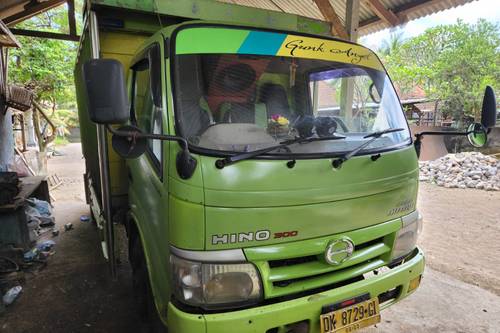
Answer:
(477, 135)
(129, 146)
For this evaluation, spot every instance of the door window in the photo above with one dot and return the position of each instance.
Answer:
(145, 114)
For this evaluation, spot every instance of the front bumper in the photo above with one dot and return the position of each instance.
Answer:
(308, 308)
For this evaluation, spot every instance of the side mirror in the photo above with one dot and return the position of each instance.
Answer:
(477, 135)
(130, 142)
(107, 101)
(489, 110)
(131, 146)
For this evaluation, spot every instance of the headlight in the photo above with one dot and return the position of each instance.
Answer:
(212, 285)
(406, 238)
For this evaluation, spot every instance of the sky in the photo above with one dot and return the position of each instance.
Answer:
(469, 13)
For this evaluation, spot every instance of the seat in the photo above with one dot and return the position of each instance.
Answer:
(238, 112)
(275, 99)
(195, 112)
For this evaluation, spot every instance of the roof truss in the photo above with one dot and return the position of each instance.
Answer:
(36, 7)
(383, 13)
(6, 37)
(328, 12)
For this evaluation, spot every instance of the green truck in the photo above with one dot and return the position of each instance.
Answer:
(263, 169)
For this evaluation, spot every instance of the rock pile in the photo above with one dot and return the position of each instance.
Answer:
(463, 170)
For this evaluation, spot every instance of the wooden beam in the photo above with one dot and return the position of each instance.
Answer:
(71, 17)
(6, 37)
(328, 12)
(45, 34)
(383, 13)
(31, 11)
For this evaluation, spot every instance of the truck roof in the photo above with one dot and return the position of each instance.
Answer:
(212, 10)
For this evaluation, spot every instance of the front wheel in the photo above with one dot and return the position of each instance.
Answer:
(151, 322)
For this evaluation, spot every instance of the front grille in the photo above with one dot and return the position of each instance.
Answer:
(291, 262)
(300, 266)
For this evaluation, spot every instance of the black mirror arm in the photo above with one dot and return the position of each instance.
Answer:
(421, 134)
(185, 163)
(419, 137)
(182, 142)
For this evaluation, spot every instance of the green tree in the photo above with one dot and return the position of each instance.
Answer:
(452, 63)
(392, 43)
(45, 65)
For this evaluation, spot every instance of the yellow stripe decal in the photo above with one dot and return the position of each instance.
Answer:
(315, 48)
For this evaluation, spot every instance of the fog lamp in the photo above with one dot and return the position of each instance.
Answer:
(406, 238)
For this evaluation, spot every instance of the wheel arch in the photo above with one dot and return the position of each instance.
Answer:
(135, 232)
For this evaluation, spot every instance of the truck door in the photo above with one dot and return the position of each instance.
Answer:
(148, 192)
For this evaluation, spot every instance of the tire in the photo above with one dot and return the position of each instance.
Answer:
(151, 322)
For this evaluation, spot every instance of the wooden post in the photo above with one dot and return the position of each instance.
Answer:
(352, 19)
(347, 86)
(6, 131)
(6, 141)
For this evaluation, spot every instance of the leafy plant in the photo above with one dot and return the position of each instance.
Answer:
(452, 63)
(46, 67)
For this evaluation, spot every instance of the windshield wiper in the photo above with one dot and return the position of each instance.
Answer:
(337, 163)
(221, 163)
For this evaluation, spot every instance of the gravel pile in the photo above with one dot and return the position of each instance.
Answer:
(464, 170)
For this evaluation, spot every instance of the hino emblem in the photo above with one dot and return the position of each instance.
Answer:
(338, 251)
(241, 237)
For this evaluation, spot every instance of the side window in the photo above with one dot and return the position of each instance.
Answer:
(145, 114)
(327, 98)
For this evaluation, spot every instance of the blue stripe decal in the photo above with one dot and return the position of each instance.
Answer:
(264, 43)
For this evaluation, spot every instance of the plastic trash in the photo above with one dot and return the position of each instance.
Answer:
(31, 254)
(41, 211)
(55, 233)
(33, 223)
(85, 218)
(68, 226)
(11, 295)
(42, 206)
(46, 245)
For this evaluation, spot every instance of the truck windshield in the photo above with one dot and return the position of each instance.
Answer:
(246, 100)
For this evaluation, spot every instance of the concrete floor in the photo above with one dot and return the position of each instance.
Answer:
(459, 293)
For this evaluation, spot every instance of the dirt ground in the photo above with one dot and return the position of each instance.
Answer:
(460, 291)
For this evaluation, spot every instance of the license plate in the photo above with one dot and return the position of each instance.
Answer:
(352, 318)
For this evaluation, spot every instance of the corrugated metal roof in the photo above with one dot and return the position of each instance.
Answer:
(11, 7)
(369, 22)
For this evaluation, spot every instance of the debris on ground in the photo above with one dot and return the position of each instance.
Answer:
(39, 253)
(11, 295)
(85, 218)
(31, 255)
(463, 170)
(46, 245)
(68, 226)
(40, 210)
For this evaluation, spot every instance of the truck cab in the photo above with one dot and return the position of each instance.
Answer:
(271, 179)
